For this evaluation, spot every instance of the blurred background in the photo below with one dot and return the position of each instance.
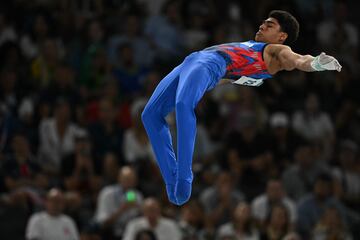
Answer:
(276, 162)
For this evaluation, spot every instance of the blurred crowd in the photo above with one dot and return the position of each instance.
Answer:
(278, 162)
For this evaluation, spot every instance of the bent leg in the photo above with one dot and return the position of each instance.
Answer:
(159, 105)
(193, 83)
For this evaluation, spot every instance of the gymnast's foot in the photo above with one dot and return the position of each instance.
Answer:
(182, 191)
(170, 190)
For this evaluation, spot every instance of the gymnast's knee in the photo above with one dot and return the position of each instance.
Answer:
(148, 115)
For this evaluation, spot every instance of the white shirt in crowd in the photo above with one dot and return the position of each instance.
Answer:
(165, 229)
(109, 200)
(134, 150)
(52, 146)
(260, 207)
(43, 226)
(227, 230)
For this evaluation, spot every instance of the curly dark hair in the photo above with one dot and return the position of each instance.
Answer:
(288, 24)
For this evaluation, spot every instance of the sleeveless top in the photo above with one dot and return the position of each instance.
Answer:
(243, 59)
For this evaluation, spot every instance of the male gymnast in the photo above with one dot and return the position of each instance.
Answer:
(244, 63)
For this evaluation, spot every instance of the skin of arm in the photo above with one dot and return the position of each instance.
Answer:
(289, 60)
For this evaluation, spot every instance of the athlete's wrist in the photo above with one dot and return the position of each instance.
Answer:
(316, 65)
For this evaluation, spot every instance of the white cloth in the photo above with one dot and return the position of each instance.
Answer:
(109, 200)
(227, 230)
(315, 127)
(134, 150)
(42, 226)
(260, 207)
(350, 180)
(7, 34)
(165, 229)
(52, 147)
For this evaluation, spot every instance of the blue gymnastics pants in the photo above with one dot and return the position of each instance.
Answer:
(180, 90)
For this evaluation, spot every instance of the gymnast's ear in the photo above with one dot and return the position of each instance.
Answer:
(283, 36)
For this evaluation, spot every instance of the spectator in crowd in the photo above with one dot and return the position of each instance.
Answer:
(57, 137)
(312, 206)
(9, 81)
(36, 33)
(299, 177)
(127, 73)
(106, 134)
(7, 32)
(242, 225)
(132, 34)
(347, 174)
(274, 195)
(163, 228)
(165, 33)
(62, 85)
(79, 170)
(136, 144)
(315, 125)
(191, 221)
(52, 223)
(330, 226)
(22, 173)
(28, 125)
(110, 166)
(338, 34)
(283, 141)
(220, 200)
(119, 203)
(145, 235)
(278, 224)
(95, 68)
(44, 65)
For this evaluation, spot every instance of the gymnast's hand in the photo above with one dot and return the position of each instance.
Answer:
(324, 62)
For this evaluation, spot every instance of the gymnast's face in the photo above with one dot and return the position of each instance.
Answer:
(270, 32)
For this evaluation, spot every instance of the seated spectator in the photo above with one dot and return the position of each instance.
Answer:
(241, 226)
(312, 206)
(145, 235)
(300, 176)
(338, 34)
(52, 223)
(331, 226)
(61, 86)
(136, 145)
(79, 170)
(191, 220)
(278, 224)
(262, 205)
(28, 125)
(118, 204)
(347, 175)
(44, 65)
(220, 200)
(110, 166)
(7, 31)
(314, 124)
(283, 140)
(21, 170)
(57, 137)
(105, 133)
(163, 228)
(9, 89)
(128, 75)
(133, 34)
(165, 33)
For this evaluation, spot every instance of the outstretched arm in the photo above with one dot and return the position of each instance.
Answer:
(290, 60)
